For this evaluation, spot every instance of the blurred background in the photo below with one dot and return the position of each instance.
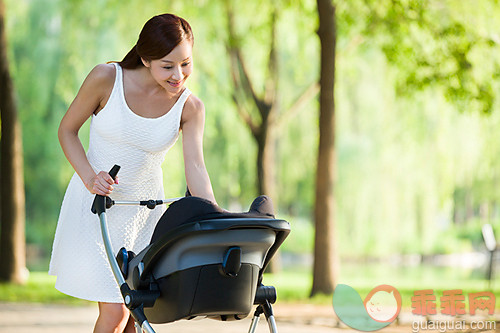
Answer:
(416, 124)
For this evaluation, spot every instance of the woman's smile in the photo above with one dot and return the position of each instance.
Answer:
(175, 84)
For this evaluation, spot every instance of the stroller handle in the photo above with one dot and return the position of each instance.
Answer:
(99, 204)
(99, 207)
(151, 204)
(114, 171)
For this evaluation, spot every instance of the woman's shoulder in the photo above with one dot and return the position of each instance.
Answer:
(100, 80)
(194, 104)
(103, 73)
(193, 108)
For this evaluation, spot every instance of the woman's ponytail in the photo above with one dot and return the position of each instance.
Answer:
(132, 59)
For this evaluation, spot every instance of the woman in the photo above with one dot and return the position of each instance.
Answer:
(138, 107)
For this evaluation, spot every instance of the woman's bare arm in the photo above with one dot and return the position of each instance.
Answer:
(192, 124)
(91, 97)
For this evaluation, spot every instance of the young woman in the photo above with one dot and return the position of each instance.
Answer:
(138, 107)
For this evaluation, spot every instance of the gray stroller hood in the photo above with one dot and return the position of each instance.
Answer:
(204, 261)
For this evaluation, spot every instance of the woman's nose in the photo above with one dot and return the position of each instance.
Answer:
(177, 74)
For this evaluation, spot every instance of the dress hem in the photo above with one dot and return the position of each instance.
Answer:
(86, 298)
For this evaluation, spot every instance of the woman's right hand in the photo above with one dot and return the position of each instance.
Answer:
(101, 184)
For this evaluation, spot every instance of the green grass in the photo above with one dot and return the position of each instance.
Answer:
(294, 286)
(38, 289)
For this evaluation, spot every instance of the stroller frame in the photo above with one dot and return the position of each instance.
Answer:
(137, 300)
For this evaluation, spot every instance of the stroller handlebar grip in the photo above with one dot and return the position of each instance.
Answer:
(114, 171)
(99, 205)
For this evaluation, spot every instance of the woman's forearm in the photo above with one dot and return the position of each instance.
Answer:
(75, 153)
(198, 182)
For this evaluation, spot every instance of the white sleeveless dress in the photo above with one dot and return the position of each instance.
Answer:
(138, 145)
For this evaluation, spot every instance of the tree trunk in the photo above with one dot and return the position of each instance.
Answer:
(266, 181)
(265, 161)
(12, 214)
(325, 256)
(266, 103)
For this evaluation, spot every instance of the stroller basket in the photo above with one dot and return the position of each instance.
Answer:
(201, 261)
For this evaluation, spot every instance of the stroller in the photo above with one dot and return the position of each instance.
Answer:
(201, 262)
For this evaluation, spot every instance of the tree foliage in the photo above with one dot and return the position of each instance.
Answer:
(407, 162)
(440, 45)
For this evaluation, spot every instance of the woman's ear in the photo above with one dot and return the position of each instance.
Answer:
(145, 62)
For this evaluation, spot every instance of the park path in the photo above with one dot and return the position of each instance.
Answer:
(291, 318)
(39, 318)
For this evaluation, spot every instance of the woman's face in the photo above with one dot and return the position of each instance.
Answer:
(171, 71)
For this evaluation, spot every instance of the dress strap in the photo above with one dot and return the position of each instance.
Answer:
(119, 74)
(117, 65)
(118, 85)
(178, 108)
(184, 96)
(182, 100)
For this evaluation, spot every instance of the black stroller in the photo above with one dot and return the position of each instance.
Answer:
(201, 261)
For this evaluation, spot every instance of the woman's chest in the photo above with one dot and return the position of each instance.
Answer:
(121, 127)
(150, 107)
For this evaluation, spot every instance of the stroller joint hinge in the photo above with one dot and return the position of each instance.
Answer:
(139, 298)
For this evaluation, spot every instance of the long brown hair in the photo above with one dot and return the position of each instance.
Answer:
(159, 36)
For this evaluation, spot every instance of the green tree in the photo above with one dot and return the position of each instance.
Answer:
(427, 46)
(438, 46)
(325, 254)
(260, 106)
(268, 102)
(12, 242)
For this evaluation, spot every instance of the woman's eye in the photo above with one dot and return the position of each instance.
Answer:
(185, 64)
(167, 67)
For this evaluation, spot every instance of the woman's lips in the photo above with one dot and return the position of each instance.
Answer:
(175, 84)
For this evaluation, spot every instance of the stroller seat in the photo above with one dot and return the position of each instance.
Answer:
(203, 261)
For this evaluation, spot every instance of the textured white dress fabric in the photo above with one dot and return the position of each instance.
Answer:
(138, 145)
